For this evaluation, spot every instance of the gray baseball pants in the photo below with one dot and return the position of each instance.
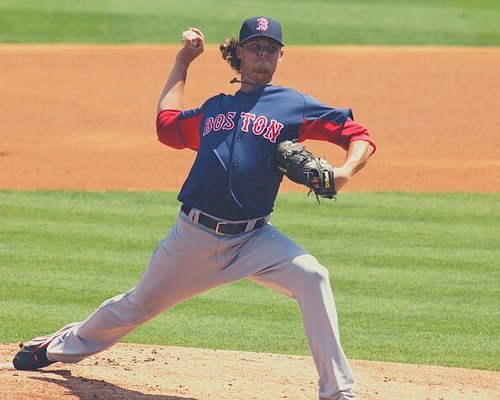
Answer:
(192, 259)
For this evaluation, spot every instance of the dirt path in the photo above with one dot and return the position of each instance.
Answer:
(83, 118)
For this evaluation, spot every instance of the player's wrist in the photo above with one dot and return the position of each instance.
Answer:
(182, 62)
(343, 172)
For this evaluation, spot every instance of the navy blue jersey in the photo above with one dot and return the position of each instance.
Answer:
(235, 174)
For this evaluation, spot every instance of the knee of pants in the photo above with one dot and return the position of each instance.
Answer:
(313, 274)
(318, 277)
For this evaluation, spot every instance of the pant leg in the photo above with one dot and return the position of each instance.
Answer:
(189, 261)
(184, 265)
(294, 272)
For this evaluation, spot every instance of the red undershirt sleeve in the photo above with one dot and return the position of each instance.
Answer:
(329, 131)
(177, 132)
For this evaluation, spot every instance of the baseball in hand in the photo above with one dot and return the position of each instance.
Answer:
(191, 37)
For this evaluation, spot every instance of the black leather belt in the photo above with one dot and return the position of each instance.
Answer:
(223, 227)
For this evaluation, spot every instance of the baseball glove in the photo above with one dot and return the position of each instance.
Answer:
(303, 167)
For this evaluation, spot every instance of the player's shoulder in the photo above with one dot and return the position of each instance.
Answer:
(217, 99)
(288, 93)
(283, 89)
(212, 102)
(300, 98)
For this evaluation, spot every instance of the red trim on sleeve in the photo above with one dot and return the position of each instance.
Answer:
(178, 133)
(353, 131)
(329, 131)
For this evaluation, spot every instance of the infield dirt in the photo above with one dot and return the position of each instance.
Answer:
(83, 117)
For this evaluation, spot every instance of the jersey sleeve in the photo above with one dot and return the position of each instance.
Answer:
(337, 126)
(179, 129)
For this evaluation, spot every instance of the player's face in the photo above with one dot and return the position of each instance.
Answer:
(259, 57)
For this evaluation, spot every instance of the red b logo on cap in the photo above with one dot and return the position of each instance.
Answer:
(262, 24)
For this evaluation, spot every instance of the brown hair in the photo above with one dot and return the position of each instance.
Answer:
(228, 51)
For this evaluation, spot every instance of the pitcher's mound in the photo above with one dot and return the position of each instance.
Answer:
(146, 372)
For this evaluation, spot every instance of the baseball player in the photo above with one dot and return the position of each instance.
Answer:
(223, 233)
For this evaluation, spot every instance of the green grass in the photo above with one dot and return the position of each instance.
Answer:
(416, 276)
(322, 22)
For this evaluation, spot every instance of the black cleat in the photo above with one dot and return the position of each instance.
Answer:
(32, 357)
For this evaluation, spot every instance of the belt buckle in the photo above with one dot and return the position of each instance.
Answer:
(220, 223)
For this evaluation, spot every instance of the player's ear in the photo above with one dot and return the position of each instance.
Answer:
(239, 51)
(281, 54)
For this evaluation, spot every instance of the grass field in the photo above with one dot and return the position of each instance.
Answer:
(319, 22)
(415, 275)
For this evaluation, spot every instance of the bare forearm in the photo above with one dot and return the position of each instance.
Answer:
(357, 156)
(171, 96)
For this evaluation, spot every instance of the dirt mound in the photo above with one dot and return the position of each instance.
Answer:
(140, 372)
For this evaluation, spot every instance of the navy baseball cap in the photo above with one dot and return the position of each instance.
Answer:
(261, 26)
